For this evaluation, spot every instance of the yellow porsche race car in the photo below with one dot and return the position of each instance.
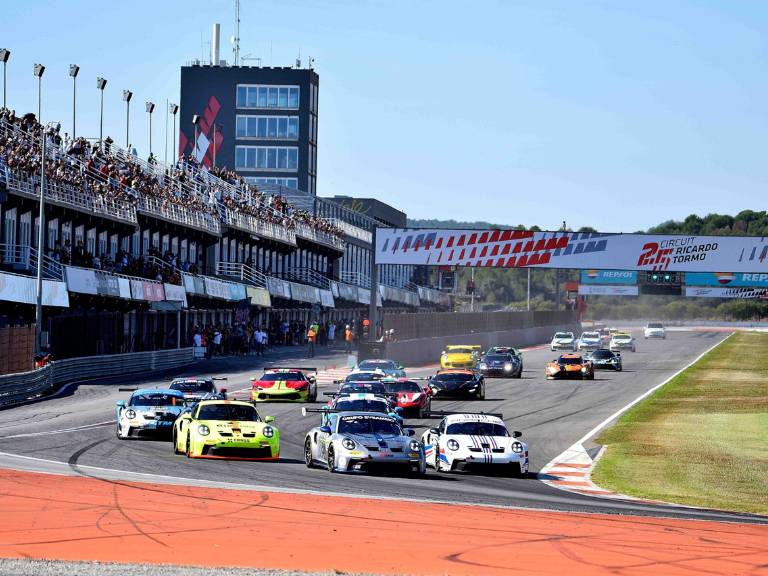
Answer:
(460, 356)
(225, 429)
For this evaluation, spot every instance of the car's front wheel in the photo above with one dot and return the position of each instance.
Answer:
(331, 462)
(308, 453)
(175, 442)
(188, 450)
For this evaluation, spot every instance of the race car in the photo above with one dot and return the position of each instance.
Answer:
(563, 341)
(507, 350)
(459, 357)
(198, 388)
(285, 385)
(457, 383)
(464, 441)
(570, 366)
(605, 337)
(347, 441)
(364, 402)
(225, 429)
(147, 410)
(502, 365)
(389, 367)
(409, 396)
(655, 330)
(375, 387)
(622, 341)
(590, 341)
(605, 359)
(362, 376)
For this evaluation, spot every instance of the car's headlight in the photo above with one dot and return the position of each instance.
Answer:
(452, 445)
(414, 446)
(203, 430)
(508, 367)
(130, 414)
(416, 396)
(348, 443)
(583, 368)
(517, 447)
(268, 431)
(483, 366)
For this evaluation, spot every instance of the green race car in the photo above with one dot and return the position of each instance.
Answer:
(225, 429)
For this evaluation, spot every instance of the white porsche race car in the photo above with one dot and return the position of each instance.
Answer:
(563, 341)
(463, 441)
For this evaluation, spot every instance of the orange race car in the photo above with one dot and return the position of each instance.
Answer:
(570, 366)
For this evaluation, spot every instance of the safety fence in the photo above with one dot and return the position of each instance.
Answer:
(430, 325)
(18, 388)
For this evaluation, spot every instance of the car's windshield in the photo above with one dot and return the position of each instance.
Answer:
(285, 376)
(401, 386)
(501, 350)
(193, 386)
(350, 405)
(570, 360)
(381, 425)
(155, 400)
(655, 325)
(453, 377)
(366, 387)
(460, 351)
(563, 335)
(587, 335)
(364, 377)
(498, 358)
(239, 412)
(602, 354)
(477, 429)
(621, 336)
(380, 364)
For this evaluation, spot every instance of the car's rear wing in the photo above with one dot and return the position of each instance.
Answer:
(296, 368)
(127, 389)
(441, 413)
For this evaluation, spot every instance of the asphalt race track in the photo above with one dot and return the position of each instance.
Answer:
(75, 433)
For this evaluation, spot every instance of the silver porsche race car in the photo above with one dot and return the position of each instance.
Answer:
(148, 410)
(347, 441)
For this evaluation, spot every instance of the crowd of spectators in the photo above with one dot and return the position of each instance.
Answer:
(109, 172)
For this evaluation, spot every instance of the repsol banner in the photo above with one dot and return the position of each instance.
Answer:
(725, 292)
(748, 279)
(593, 289)
(571, 250)
(624, 277)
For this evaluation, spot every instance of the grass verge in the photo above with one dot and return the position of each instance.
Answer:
(700, 440)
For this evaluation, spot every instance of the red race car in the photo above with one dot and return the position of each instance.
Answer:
(409, 396)
(285, 385)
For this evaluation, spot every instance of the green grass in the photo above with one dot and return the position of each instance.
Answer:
(700, 440)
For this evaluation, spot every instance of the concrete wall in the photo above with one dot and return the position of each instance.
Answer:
(427, 350)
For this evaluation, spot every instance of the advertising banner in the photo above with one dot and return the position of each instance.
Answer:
(304, 293)
(107, 285)
(216, 288)
(176, 294)
(153, 291)
(258, 296)
(347, 292)
(625, 277)
(754, 280)
(81, 280)
(189, 284)
(236, 291)
(125, 288)
(594, 290)
(137, 289)
(279, 288)
(571, 250)
(326, 299)
(335, 289)
(23, 289)
(725, 292)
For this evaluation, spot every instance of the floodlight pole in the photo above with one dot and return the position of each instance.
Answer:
(73, 70)
(38, 70)
(372, 311)
(174, 109)
(529, 289)
(4, 55)
(101, 84)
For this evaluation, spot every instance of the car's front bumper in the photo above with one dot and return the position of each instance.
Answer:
(268, 395)
(469, 460)
(139, 425)
(456, 393)
(609, 366)
(360, 460)
(563, 375)
(498, 372)
(244, 449)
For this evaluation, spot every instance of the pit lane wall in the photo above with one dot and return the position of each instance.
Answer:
(420, 338)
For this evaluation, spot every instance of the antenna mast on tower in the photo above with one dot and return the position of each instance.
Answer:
(236, 48)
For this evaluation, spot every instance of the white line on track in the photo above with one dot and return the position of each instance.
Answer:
(61, 431)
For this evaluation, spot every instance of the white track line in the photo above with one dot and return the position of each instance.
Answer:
(61, 431)
(575, 463)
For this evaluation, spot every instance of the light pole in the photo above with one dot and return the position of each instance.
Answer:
(73, 70)
(150, 108)
(101, 83)
(127, 95)
(196, 121)
(38, 71)
(174, 108)
(4, 55)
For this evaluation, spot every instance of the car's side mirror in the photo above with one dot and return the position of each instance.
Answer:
(325, 429)
(269, 419)
(443, 352)
(516, 434)
(434, 431)
(398, 410)
(410, 432)
(120, 403)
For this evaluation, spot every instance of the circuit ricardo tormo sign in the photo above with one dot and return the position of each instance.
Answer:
(520, 249)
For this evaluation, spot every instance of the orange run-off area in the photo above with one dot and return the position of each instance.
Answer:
(72, 518)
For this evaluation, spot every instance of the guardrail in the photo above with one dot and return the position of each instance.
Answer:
(318, 236)
(24, 258)
(178, 214)
(18, 388)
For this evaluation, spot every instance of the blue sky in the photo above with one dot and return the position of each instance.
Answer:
(617, 115)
